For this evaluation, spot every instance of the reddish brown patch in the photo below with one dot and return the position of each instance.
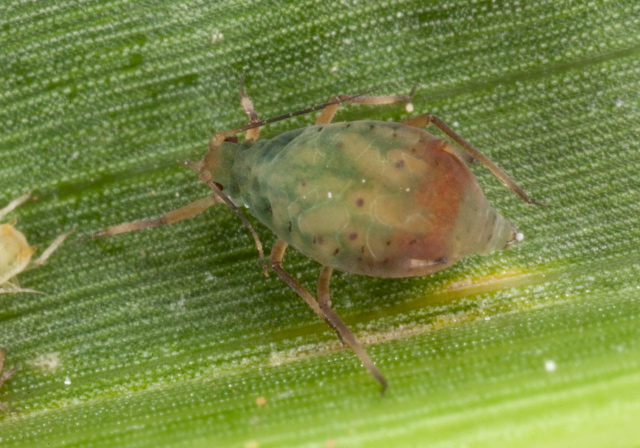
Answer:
(440, 193)
(353, 236)
(360, 202)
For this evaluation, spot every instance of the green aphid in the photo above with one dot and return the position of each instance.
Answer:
(366, 197)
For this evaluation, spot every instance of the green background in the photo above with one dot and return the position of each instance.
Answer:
(168, 336)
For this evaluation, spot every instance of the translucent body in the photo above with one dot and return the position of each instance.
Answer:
(375, 198)
(15, 252)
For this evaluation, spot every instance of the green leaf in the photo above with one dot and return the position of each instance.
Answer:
(171, 336)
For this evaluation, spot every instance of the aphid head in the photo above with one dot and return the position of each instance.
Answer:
(216, 164)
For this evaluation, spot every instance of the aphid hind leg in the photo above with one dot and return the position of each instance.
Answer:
(324, 300)
(327, 114)
(186, 212)
(322, 308)
(4, 377)
(428, 119)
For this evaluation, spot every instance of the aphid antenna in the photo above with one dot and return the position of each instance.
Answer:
(258, 124)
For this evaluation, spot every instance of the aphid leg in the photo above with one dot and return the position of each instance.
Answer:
(323, 307)
(343, 331)
(427, 119)
(51, 249)
(245, 221)
(15, 290)
(4, 377)
(247, 105)
(14, 204)
(276, 259)
(188, 211)
(327, 114)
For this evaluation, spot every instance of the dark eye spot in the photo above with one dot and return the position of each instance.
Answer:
(219, 186)
(348, 126)
(388, 243)
(269, 209)
(412, 242)
(353, 236)
(319, 129)
(336, 252)
(360, 202)
(395, 134)
(400, 164)
(289, 226)
(371, 127)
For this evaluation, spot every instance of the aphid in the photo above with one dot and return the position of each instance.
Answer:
(4, 376)
(15, 252)
(365, 197)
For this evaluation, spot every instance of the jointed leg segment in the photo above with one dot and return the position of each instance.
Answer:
(188, 211)
(327, 114)
(427, 119)
(247, 105)
(322, 307)
(14, 204)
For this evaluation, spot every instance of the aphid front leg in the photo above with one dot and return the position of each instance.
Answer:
(186, 212)
(247, 105)
(427, 119)
(323, 309)
(4, 377)
(327, 114)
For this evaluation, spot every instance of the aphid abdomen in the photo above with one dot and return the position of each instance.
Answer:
(374, 198)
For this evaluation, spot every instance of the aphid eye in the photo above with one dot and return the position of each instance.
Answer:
(219, 186)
